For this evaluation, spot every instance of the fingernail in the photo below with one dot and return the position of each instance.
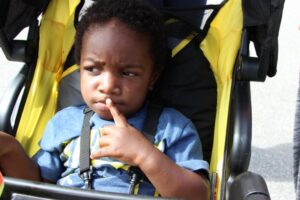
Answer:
(108, 101)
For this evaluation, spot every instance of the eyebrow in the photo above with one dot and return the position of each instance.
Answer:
(96, 61)
(122, 64)
(132, 65)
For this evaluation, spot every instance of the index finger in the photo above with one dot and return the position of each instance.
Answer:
(118, 117)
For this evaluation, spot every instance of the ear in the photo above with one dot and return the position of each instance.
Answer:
(154, 77)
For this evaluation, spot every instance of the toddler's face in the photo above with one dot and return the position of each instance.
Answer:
(115, 63)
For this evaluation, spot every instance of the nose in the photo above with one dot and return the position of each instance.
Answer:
(109, 84)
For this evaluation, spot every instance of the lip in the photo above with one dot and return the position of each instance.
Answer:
(101, 105)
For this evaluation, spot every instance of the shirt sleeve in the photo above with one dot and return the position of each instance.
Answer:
(186, 149)
(65, 125)
(47, 158)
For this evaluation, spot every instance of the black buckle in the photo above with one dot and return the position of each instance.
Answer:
(135, 176)
(136, 173)
(86, 176)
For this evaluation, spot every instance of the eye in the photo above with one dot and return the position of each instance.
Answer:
(129, 74)
(92, 69)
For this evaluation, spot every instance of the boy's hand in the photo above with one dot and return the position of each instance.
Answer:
(122, 141)
(125, 143)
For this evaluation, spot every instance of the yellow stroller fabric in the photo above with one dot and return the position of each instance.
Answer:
(221, 47)
(57, 32)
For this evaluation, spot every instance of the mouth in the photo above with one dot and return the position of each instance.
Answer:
(101, 105)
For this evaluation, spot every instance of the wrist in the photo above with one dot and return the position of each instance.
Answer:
(143, 153)
(150, 160)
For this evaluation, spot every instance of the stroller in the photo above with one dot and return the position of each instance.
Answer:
(210, 65)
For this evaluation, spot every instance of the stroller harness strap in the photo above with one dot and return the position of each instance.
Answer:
(135, 174)
(149, 130)
(84, 162)
(151, 120)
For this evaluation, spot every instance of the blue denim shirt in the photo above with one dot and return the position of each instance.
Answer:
(58, 158)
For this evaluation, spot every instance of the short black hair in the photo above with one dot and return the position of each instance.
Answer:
(138, 15)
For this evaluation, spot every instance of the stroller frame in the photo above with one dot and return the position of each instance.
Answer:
(231, 149)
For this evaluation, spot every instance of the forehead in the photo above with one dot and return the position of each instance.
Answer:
(117, 39)
(118, 29)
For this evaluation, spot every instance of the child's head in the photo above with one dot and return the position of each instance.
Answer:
(138, 15)
(120, 47)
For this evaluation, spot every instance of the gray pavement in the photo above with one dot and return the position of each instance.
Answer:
(273, 109)
(273, 104)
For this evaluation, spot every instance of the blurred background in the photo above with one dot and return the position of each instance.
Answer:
(273, 108)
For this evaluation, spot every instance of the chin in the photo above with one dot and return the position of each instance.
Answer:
(105, 116)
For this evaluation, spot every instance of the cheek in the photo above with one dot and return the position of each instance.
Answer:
(138, 91)
(87, 84)
(135, 87)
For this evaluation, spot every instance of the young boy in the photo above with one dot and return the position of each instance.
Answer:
(120, 48)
